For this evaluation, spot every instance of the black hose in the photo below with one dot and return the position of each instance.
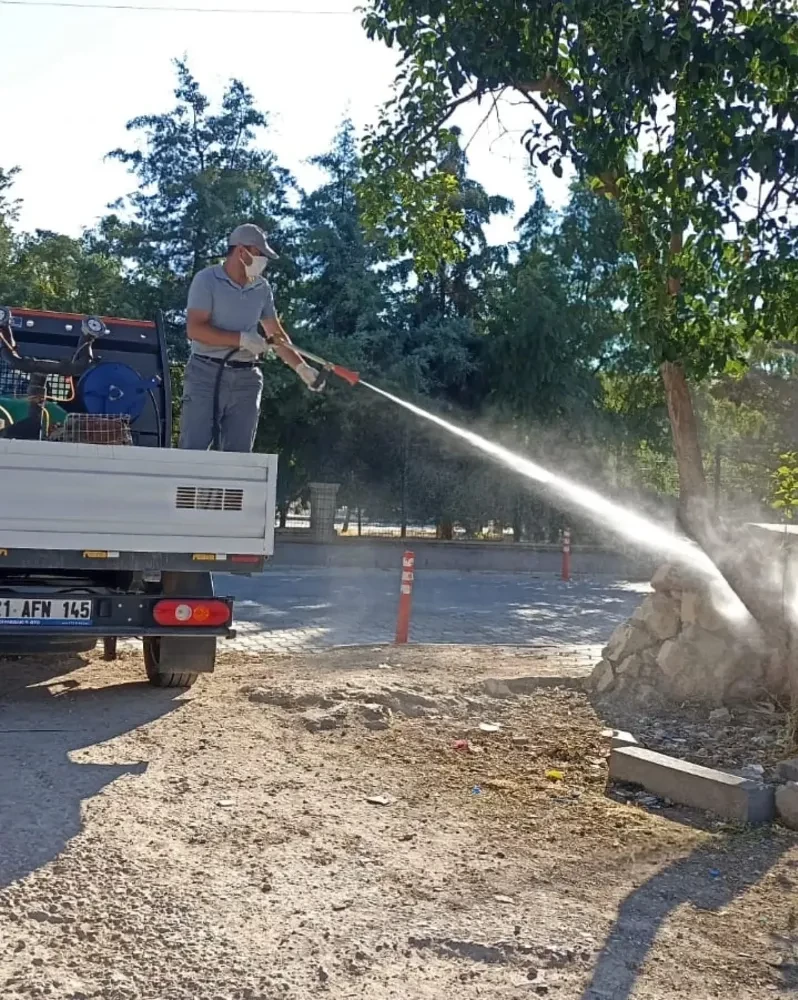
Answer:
(158, 422)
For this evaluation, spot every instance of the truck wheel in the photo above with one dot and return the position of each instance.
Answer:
(172, 660)
(154, 664)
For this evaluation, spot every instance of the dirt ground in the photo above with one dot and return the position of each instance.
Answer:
(417, 823)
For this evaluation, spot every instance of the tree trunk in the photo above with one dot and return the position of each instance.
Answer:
(738, 556)
(692, 481)
(283, 514)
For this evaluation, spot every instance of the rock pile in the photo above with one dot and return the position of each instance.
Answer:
(678, 647)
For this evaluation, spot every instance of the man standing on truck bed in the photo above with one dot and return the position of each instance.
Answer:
(225, 304)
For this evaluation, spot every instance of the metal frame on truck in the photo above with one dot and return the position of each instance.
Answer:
(115, 540)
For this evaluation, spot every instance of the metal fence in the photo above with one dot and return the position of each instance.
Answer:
(352, 527)
(739, 485)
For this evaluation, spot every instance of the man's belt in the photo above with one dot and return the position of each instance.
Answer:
(227, 364)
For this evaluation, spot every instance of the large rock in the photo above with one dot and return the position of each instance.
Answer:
(659, 614)
(670, 579)
(666, 579)
(696, 665)
(627, 640)
(681, 646)
(698, 609)
(630, 667)
(689, 608)
(707, 648)
(670, 658)
(603, 677)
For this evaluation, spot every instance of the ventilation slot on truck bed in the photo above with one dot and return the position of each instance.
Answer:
(208, 498)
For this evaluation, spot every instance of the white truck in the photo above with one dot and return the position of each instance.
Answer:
(106, 531)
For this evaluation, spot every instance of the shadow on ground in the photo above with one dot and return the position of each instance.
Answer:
(710, 878)
(41, 789)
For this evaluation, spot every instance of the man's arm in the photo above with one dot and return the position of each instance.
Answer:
(198, 327)
(279, 339)
(198, 316)
(281, 342)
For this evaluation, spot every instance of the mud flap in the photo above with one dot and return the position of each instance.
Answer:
(194, 654)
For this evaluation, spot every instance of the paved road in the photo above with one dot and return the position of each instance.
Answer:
(311, 609)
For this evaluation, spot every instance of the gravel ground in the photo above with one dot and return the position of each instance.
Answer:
(416, 823)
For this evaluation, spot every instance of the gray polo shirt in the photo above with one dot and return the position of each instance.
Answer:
(233, 307)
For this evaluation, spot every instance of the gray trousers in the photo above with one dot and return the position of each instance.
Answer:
(239, 406)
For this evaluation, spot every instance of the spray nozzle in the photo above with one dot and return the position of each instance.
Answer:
(348, 376)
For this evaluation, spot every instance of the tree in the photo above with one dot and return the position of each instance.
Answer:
(340, 291)
(200, 174)
(682, 113)
(46, 270)
(8, 215)
(554, 319)
(336, 304)
(52, 271)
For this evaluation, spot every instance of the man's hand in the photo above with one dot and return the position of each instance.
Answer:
(309, 375)
(275, 333)
(254, 343)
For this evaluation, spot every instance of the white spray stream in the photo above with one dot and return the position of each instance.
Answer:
(624, 522)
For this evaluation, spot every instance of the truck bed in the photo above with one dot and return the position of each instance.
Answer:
(82, 506)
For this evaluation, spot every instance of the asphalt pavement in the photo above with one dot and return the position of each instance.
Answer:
(284, 610)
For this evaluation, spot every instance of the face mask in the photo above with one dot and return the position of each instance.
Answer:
(256, 267)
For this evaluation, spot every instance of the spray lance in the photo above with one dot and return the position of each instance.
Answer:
(326, 366)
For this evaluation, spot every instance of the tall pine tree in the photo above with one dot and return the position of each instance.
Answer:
(201, 172)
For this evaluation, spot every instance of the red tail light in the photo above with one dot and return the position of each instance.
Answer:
(191, 613)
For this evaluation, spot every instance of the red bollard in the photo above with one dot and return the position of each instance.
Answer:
(405, 597)
(566, 554)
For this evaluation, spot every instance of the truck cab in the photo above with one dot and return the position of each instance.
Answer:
(106, 531)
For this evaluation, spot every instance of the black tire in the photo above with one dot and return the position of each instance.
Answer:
(152, 664)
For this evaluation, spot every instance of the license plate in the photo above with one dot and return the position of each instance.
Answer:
(51, 611)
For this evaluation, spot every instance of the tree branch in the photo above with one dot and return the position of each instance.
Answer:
(494, 100)
(609, 179)
(447, 114)
(776, 189)
(551, 83)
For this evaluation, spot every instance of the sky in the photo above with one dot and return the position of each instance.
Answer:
(71, 77)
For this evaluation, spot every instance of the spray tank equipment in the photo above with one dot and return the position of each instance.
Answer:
(29, 412)
(113, 389)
